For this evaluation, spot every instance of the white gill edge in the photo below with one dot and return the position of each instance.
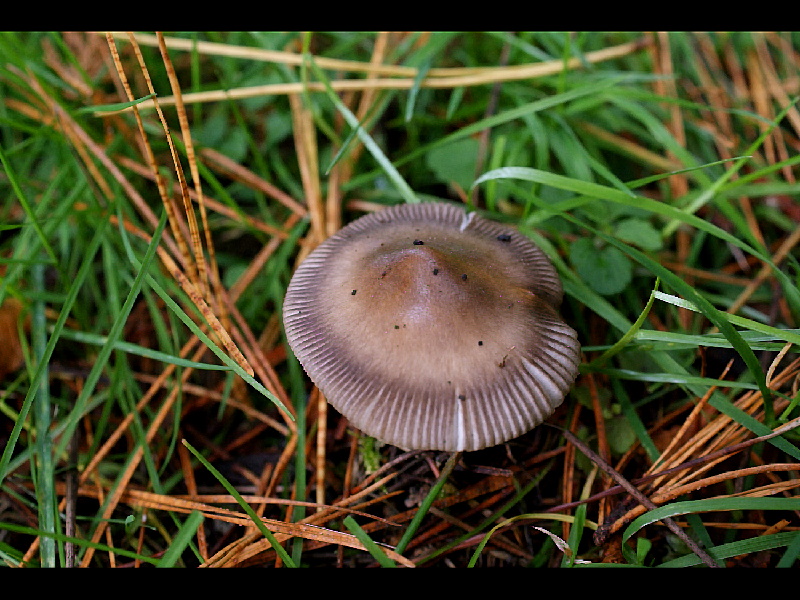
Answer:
(461, 433)
(468, 217)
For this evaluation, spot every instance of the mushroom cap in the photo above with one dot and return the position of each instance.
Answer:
(432, 329)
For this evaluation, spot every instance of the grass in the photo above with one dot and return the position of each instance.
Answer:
(160, 190)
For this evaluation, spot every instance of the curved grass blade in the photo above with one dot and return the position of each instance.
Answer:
(673, 340)
(787, 335)
(631, 333)
(636, 183)
(710, 505)
(677, 378)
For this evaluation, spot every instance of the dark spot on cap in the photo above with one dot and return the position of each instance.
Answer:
(504, 237)
(353, 293)
(480, 343)
(419, 243)
(436, 271)
(462, 397)
(464, 277)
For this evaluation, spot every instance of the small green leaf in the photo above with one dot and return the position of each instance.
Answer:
(643, 546)
(606, 270)
(639, 233)
(620, 434)
(455, 162)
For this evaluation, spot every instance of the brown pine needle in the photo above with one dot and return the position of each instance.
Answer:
(166, 200)
(194, 239)
(197, 245)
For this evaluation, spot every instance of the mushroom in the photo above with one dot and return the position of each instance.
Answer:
(431, 328)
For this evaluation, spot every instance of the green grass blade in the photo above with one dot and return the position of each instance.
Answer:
(636, 183)
(130, 348)
(792, 553)
(281, 552)
(422, 72)
(634, 420)
(109, 108)
(679, 378)
(673, 340)
(433, 493)
(575, 535)
(23, 200)
(718, 553)
(631, 333)
(182, 539)
(713, 505)
(787, 335)
(45, 482)
(373, 548)
(391, 172)
(79, 542)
